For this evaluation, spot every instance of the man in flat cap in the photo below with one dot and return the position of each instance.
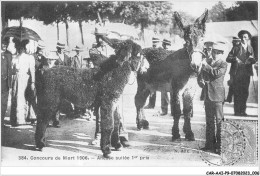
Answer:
(156, 42)
(211, 80)
(236, 42)
(164, 94)
(243, 57)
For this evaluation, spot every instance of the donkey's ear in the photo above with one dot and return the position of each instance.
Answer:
(200, 22)
(178, 20)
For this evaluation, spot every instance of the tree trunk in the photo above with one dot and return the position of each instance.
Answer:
(81, 32)
(99, 18)
(67, 32)
(21, 21)
(58, 31)
(142, 34)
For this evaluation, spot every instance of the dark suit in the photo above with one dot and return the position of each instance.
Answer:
(6, 78)
(211, 79)
(241, 69)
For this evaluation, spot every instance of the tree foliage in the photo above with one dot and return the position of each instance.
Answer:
(217, 12)
(244, 10)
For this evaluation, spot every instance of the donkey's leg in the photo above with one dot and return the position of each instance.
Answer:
(43, 118)
(115, 142)
(187, 111)
(140, 99)
(176, 112)
(47, 108)
(177, 86)
(188, 95)
(107, 125)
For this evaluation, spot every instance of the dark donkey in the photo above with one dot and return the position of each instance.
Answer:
(178, 71)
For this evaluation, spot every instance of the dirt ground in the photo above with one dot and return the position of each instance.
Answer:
(71, 145)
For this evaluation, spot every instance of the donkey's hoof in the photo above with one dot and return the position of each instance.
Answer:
(189, 137)
(117, 146)
(106, 150)
(40, 145)
(145, 124)
(124, 142)
(106, 155)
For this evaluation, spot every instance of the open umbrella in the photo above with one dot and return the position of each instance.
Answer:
(20, 33)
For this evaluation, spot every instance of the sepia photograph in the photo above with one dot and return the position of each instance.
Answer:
(169, 85)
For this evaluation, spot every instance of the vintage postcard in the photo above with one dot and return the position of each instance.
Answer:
(128, 84)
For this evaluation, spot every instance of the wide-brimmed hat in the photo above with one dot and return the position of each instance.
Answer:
(219, 46)
(242, 32)
(41, 44)
(155, 40)
(60, 45)
(166, 42)
(78, 48)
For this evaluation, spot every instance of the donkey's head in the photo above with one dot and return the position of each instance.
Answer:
(193, 34)
(129, 51)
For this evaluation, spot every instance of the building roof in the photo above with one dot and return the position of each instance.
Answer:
(230, 29)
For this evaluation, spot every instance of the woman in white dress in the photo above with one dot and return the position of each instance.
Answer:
(23, 84)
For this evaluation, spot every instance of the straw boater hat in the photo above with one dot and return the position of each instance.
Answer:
(60, 45)
(78, 48)
(235, 39)
(219, 46)
(41, 44)
(166, 42)
(155, 40)
(242, 32)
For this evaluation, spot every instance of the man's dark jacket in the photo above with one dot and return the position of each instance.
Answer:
(211, 80)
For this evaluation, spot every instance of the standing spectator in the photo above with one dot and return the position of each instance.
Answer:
(6, 77)
(63, 59)
(24, 78)
(236, 42)
(164, 96)
(77, 60)
(41, 64)
(211, 80)
(243, 57)
(152, 97)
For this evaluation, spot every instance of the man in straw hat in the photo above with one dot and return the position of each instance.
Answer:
(242, 56)
(63, 59)
(77, 60)
(211, 80)
(166, 44)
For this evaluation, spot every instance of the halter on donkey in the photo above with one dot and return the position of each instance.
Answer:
(178, 70)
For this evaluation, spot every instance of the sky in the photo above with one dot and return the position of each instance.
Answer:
(196, 8)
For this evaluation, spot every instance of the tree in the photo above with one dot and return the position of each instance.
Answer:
(217, 12)
(16, 10)
(144, 13)
(243, 10)
(90, 10)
